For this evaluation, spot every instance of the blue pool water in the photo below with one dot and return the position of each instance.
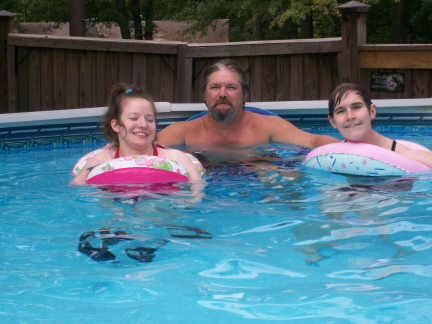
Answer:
(287, 245)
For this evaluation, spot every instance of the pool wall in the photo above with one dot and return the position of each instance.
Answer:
(69, 126)
(408, 108)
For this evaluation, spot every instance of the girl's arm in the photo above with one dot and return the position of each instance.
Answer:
(81, 177)
(192, 166)
(424, 157)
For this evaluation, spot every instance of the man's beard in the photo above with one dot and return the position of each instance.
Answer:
(223, 116)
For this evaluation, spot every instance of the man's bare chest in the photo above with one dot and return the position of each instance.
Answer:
(234, 137)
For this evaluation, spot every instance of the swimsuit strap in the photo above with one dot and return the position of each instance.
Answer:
(155, 151)
(155, 147)
(393, 147)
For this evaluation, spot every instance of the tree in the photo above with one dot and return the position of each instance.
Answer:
(76, 16)
(136, 17)
(388, 20)
(257, 19)
(38, 10)
(148, 14)
(128, 14)
(420, 23)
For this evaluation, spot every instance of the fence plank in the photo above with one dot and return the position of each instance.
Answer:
(86, 84)
(184, 77)
(47, 81)
(153, 76)
(94, 44)
(100, 90)
(23, 70)
(328, 77)
(268, 78)
(259, 48)
(72, 93)
(12, 82)
(34, 79)
(111, 71)
(59, 79)
(125, 67)
(297, 77)
(396, 59)
(283, 77)
(246, 64)
(139, 67)
(199, 66)
(168, 77)
(422, 83)
(311, 77)
(255, 82)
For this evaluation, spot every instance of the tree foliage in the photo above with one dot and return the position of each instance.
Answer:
(128, 14)
(38, 10)
(388, 20)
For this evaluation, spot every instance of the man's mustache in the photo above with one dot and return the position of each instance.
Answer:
(223, 101)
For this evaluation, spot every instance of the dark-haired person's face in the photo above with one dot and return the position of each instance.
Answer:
(224, 95)
(352, 118)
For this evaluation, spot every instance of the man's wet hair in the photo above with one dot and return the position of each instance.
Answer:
(230, 65)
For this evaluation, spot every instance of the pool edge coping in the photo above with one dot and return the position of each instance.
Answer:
(184, 110)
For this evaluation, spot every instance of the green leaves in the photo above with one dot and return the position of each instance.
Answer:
(248, 19)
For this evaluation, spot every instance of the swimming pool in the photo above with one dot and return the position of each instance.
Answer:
(287, 244)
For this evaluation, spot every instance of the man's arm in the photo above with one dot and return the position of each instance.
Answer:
(173, 134)
(284, 131)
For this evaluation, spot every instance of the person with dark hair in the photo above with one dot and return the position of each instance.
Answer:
(228, 122)
(130, 125)
(351, 112)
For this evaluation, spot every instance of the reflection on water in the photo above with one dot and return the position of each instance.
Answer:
(268, 241)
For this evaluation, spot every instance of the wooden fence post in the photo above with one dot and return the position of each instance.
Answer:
(6, 27)
(353, 34)
(184, 76)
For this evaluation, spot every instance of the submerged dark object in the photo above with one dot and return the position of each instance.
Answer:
(142, 254)
(182, 231)
(87, 242)
(102, 253)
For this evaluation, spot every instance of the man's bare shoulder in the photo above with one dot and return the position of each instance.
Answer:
(172, 134)
(266, 121)
(176, 133)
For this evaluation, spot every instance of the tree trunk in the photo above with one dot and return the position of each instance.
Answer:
(306, 27)
(122, 18)
(76, 18)
(136, 16)
(398, 22)
(148, 17)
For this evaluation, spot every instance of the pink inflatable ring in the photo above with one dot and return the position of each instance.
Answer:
(364, 159)
(139, 169)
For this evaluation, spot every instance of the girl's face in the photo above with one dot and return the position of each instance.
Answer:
(137, 125)
(352, 118)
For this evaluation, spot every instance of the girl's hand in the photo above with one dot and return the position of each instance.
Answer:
(101, 157)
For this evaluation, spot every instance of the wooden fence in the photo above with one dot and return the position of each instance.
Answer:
(45, 72)
(412, 62)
